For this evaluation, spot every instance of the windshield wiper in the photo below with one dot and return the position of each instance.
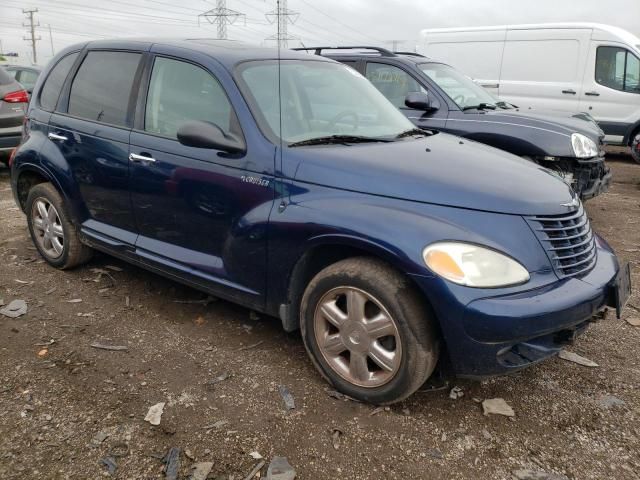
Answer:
(337, 139)
(414, 131)
(504, 105)
(480, 106)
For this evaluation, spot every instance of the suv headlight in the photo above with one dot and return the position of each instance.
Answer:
(473, 266)
(583, 147)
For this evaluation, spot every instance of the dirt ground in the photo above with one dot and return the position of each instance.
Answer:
(65, 406)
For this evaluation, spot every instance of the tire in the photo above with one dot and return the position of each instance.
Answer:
(403, 337)
(63, 248)
(635, 148)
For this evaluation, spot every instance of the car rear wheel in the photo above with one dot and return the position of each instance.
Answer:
(368, 332)
(635, 148)
(52, 232)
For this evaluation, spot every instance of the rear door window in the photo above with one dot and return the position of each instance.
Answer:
(180, 92)
(51, 90)
(102, 87)
(393, 82)
(618, 68)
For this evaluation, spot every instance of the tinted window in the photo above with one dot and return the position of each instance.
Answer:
(102, 87)
(51, 89)
(618, 68)
(393, 82)
(180, 92)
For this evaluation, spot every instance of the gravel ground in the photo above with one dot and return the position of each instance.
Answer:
(65, 405)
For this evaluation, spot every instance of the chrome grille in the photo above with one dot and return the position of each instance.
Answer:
(568, 240)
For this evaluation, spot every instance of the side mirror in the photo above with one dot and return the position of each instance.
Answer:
(201, 134)
(421, 101)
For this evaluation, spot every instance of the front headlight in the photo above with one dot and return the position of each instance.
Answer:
(473, 266)
(583, 147)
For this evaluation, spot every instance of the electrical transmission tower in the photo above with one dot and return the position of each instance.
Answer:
(221, 16)
(32, 31)
(283, 17)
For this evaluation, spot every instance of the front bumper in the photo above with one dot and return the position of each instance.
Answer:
(592, 178)
(494, 335)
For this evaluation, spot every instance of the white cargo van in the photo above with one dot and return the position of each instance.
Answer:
(576, 67)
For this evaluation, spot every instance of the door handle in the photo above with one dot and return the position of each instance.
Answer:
(592, 94)
(140, 158)
(60, 138)
(569, 92)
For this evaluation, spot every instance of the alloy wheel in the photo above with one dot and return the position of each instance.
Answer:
(635, 148)
(47, 228)
(357, 337)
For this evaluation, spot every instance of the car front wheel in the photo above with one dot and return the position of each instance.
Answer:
(368, 332)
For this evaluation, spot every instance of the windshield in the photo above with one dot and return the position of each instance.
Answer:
(319, 99)
(460, 88)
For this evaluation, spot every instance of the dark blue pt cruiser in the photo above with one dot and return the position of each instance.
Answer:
(289, 184)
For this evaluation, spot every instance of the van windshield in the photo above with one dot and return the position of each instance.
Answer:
(318, 100)
(461, 89)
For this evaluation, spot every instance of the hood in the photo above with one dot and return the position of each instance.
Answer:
(555, 120)
(441, 169)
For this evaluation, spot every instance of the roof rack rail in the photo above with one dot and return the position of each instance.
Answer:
(318, 50)
(411, 54)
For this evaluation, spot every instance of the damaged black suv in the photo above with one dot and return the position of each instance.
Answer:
(436, 96)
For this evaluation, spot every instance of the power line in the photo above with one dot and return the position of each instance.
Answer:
(338, 21)
(221, 16)
(328, 35)
(32, 32)
(283, 17)
(75, 6)
(163, 16)
(59, 30)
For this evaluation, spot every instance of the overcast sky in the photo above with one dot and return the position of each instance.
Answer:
(319, 22)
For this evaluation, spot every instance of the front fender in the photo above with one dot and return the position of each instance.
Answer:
(524, 141)
(393, 230)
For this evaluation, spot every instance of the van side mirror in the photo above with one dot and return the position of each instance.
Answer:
(421, 101)
(201, 134)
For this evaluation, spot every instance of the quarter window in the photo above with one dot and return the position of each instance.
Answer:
(393, 82)
(102, 87)
(618, 68)
(180, 92)
(52, 86)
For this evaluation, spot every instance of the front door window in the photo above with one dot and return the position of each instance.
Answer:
(393, 82)
(618, 68)
(180, 92)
